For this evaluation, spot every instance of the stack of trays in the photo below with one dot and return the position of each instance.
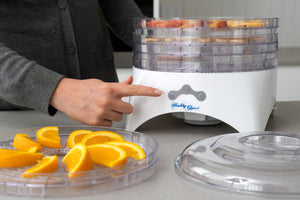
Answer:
(205, 45)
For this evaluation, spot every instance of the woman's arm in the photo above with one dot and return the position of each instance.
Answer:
(119, 15)
(24, 83)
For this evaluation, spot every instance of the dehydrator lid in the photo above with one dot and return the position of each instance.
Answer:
(255, 162)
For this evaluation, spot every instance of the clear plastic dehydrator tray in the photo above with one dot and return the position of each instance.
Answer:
(207, 39)
(207, 50)
(207, 23)
(207, 58)
(265, 163)
(100, 179)
(215, 44)
(205, 67)
(206, 27)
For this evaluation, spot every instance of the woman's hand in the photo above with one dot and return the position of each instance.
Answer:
(97, 103)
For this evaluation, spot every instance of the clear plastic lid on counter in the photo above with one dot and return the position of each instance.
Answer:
(266, 163)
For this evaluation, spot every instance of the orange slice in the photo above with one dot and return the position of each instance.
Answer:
(107, 155)
(16, 158)
(33, 149)
(48, 137)
(76, 136)
(46, 165)
(25, 143)
(101, 137)
(78, 159)
(133, 150)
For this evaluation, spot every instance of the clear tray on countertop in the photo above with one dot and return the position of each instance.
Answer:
(264, 163)
(207, 50)
(205, 67)
(100, 179)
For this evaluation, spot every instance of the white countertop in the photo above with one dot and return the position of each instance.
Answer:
(173, 135)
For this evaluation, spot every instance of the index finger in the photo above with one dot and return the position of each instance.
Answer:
(136, 90)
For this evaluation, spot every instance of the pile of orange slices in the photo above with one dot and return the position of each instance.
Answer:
(86, 149)
(101, 147)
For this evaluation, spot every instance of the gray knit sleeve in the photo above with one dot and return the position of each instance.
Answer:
(119, 15)
(24, 83)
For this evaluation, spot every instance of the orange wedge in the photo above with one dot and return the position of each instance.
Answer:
(78, 159)
(46, 165)
(76, 136)
(107, 155)
(16, 158)
(25, 143)
(101, 137)
(48, 137)
(133, 150)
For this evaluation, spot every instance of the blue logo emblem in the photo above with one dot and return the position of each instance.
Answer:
(183, 106)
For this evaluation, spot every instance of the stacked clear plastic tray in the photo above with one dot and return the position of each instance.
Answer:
(205, 67)
(199, 58)
(100, 179)
(261, 163)
(192, 45)
(212, 38)
(207, 50)
(207, 23)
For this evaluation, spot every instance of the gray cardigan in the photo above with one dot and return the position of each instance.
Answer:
(42, 41)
